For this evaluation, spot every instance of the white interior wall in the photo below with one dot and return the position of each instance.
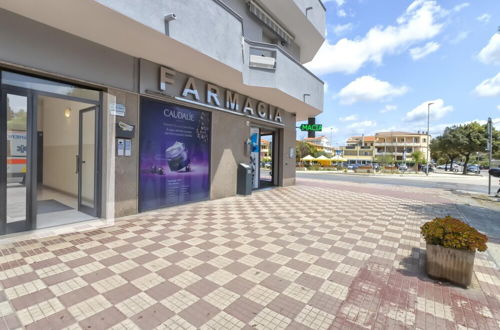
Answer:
(60, 143)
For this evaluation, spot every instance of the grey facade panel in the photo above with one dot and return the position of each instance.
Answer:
(29, 43)
(316, 14)
(203, 25)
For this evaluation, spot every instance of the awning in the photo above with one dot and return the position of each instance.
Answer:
(269, 22)
(308, 158)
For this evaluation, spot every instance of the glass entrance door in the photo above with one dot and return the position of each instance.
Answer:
(16, 162)
(86, 161)
(49, 147)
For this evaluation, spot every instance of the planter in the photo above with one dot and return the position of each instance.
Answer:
(450, 264)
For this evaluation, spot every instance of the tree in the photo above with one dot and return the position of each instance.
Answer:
(384, 159)
(418, 157)
(467, 139)
(445, 144)
(303, 149)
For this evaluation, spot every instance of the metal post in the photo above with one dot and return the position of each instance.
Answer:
(428, 136)
(490, 151)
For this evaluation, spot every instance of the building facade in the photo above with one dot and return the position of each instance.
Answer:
(110, 108)
(401, 145)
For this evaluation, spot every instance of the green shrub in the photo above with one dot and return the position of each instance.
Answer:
(453, 233)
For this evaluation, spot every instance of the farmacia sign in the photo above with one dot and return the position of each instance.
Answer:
(204, 93)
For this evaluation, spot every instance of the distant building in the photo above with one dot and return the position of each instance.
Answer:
(265, 150)
(320, 140)
(401, 144)
(360, 141)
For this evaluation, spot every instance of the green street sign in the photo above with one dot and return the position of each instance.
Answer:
(311, 128)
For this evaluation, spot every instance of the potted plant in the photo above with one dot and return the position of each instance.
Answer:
(451, 248)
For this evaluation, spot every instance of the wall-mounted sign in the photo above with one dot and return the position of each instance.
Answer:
(120, 147)
(180, 86)
(311, 128)
(117, 109)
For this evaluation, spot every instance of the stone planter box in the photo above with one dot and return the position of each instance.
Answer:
(450, 264)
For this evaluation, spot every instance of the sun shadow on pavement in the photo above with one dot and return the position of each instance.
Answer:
(484, 219)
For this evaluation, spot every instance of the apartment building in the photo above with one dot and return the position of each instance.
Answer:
(401, 145)
(112, 107)
(362, 141)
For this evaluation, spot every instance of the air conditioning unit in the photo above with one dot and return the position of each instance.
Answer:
(263, 62)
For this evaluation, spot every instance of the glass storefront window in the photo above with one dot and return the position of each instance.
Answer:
(19, 80)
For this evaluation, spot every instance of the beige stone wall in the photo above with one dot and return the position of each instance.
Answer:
(126, 168)
(229, 133)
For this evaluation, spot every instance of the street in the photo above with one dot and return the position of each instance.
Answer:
(451, 182)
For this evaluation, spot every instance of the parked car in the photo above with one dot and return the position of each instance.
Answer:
(403, 168)
(352, 166)
(473, 169)
(441, 167)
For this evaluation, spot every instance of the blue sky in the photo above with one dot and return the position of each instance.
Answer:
(384, 60)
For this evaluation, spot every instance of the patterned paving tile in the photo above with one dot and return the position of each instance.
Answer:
(352, 259)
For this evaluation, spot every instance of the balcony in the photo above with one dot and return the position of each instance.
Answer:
(389, 153)
(268, 65)
(304, 19)
(399, 144)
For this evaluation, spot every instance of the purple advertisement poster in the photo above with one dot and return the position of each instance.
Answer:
(174, 161)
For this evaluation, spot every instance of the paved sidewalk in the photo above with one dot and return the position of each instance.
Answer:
(318, 255)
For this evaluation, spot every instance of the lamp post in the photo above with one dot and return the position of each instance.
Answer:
(428, 136)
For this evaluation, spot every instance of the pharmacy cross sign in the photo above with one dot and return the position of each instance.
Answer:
(311, 127)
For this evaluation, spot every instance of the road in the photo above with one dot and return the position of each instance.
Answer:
(451, 182)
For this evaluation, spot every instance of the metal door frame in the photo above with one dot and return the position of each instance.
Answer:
(86, 209)
(29, 221)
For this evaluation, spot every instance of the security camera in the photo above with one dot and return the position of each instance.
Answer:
(170, 17)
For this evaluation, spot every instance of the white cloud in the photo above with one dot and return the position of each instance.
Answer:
(461, 6)
(349, 118)
(388, 108)
(341, 29)
(421, 21)
(420, 52)
(361, 125)
(484, 18)
(325, 87)
(338, 2)
(498, 107)
(490, 54)
(368, 88)
(438, 111)
(489, 87)
(341, 13)
(459, 37)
